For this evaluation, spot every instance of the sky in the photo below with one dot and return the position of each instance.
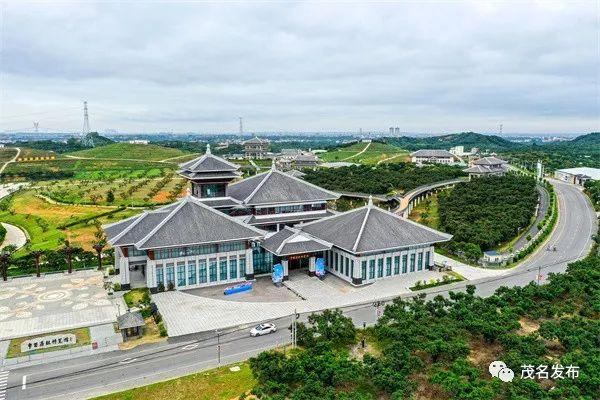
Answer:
(430, 67)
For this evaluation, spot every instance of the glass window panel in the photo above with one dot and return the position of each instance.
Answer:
(170, 274)
(212, 269)
(420, 263)
(233, 272)
(396, 265)
(223, 269)
(202, 271)
(192, 272)
(404, 263)
(363, 272)
(242, 266)
(412, 262)
(380, 268)
(388, 266)
(371, 269)
(181, 274)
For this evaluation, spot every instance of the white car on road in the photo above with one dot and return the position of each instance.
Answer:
(263, 329)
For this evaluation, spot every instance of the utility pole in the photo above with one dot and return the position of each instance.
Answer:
(218, 347)
(86, 120)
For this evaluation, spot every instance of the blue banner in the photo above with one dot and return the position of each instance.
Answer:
(320, 267)
(277, 273)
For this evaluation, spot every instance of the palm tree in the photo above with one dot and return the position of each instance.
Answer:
(6, 255)
(99, 245)
(68, 250)
(37, 256)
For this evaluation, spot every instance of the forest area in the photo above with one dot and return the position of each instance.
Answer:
(441, 348)
(485, 212)
(382, 179)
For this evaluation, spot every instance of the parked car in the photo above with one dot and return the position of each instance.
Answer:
(263, 329)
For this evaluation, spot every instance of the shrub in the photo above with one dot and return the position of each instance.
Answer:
(162, 329)
(117, 287)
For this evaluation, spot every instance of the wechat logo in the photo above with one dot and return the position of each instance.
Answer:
(498, 369)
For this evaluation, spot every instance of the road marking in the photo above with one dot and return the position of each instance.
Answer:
(3, 383)
(127, 360)
(24, 382)
(190, 346)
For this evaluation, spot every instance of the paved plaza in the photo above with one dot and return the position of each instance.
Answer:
(31, 306)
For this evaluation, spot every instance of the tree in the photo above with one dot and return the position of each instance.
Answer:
(99, 245)
(110, 196)
(6, 257)
(68, 250)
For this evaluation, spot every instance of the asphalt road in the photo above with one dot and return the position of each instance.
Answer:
(109, 372)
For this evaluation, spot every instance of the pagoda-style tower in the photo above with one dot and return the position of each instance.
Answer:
(209, 175)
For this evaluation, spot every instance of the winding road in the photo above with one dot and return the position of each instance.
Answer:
(114, 371)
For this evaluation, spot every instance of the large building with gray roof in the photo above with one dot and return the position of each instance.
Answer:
(223, 233)
(427, 156)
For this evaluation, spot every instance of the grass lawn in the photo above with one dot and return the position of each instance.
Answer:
(376, 153)
(216, 384)
(27, 152)
(147, 152)
(6, 154)
(41, 220)
(134, 297)
(82, 334)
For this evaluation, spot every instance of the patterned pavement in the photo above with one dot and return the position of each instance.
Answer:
(30, 306)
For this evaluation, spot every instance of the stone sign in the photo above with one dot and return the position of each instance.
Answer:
(44, 342)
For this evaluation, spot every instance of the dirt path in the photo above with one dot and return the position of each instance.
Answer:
(391, 158)
(359, 153)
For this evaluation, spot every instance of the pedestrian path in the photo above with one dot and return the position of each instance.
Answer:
(14, 236)
(3, 384)
(467, 271)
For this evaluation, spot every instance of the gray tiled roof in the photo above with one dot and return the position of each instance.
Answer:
(295, 173)
(370, 229)
(210, 175)
(208, 163)
(485, 169)
(285, 218)
(432, 153)
(219, 202)
(130, 320)
(292, 241)
(186, 222)
(275, 187)
(256, 140)
(489, 161)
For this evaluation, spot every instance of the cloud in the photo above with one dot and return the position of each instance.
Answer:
(305, 66)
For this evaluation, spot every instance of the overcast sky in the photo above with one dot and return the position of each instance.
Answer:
(302, 66)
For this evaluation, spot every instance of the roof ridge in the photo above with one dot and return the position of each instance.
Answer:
(160, 225)
(337, 195)
(221, 214)
(262, 182)
(362, 227)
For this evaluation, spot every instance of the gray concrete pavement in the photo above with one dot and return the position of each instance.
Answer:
(109, 372)
(14, 236)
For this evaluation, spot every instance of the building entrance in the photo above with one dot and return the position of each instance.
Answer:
(298, 263)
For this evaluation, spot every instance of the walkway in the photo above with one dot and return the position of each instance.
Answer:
(533, 229)
(14, 236)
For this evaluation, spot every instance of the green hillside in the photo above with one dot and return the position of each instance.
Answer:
(467, 139)
(149, 152)
(358, 152)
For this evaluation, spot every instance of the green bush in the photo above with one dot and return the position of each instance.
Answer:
(162, 329)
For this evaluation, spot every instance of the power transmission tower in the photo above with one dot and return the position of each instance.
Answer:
(500, 130)
(241, 127)
(36, 126)
(86, 140)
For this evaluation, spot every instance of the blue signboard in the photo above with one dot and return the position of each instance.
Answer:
(244, 287)
(320, 267)
(277, 273)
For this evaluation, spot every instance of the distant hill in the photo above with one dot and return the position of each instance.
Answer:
(93, 139)
(72, 144)
(122, 151)
(466, 139)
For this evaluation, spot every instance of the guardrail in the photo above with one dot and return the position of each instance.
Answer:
(410, 196)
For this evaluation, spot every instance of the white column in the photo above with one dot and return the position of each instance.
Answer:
(124, 269)
(150, 273)
(312, 265)
(249, 264)
(285, 264)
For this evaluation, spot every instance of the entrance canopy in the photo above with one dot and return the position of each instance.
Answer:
(290, 241)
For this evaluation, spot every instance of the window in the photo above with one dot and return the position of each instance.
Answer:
(363, 272)
(170, 274)
(427, 259)
(133, 252)
(180, 274)
(197, 250)
(212, 269)
(160, 278)
(371, 269)
(337, 257)
(351, 268)
(412, 262)
(347, 266)
(397, 265)
(420, 264)
(404, 263)
(202, 269)
(233, 246)
(242, 266)
(223, 269)
(233, 272)
(192, 272)
(380, 268)
(388, 266)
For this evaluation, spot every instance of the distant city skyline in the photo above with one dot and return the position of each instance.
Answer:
(301, 67)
